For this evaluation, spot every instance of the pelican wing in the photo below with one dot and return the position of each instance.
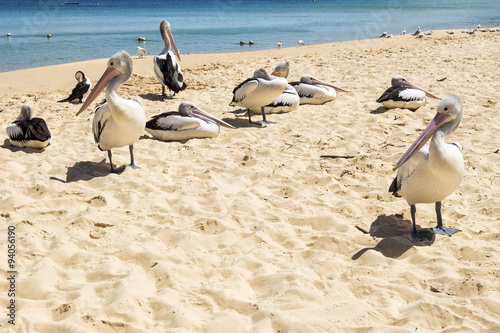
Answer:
(244, 89)
(401, 94)
(29, 130)
(289, 98)
(101, 117)
(171, 121)
(408, 167)
(305, 90)
(169, 72)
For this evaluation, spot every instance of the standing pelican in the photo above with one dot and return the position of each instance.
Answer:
(190, 122)
(403, 94)
(118, 122)
(428, 174)
(27, 131)
(142, 51)
(166, 68)
(82, 87)
(314, 91)
(258, 91)
(289, 100)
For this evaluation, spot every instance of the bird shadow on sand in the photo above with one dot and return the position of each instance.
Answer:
(379, 110)
(396, 234)
(87, 170)
(241, 119)
(7, 145)
(157, 97)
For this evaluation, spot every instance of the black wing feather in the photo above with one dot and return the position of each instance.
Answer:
(172, 75)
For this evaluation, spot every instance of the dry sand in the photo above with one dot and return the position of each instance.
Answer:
(255, 231)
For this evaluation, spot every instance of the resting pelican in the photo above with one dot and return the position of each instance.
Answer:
(289, 100)
(118, 122)
(405, 95)
(27, 131)
(428, 174)
(314, 91)
(258, 91)
(190, 122)
(82, 87)
(166, 68)
(142, 51)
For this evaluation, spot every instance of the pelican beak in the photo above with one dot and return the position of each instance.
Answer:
(277, 74)
(316, 81)
(101, 84)
(208, 117)
(435, 123)
(428, 94)
(176, 51)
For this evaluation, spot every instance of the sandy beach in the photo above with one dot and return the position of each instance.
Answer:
(285, 228)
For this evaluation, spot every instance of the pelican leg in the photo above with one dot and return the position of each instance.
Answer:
(416, 235)
(113, 170)
(249, 116)
(264, 117)
(440, 229)
(132, 165)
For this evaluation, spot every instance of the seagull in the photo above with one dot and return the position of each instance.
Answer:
(27, 131)
(416, 33)
(257, 92)
(82, 87)
(314, 91)
(428, 174)
(142, 51)
(404, 95)
(403, 32)
(384, 35)
(300, 42)
(118, 122)
(451, 32)
(279, 44)
(166, 68)
(190, 122)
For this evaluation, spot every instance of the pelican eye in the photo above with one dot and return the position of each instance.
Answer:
(446, 109)
(111, 64)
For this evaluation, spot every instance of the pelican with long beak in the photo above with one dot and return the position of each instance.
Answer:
(166, 68)
(118, 122)
(314, 91)
(404, 95)
(190, 122)
(27, 131)
(428, 174)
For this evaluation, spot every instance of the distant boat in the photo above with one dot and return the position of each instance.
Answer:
(71, 3)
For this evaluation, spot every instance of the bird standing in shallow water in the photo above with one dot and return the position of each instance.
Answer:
(118, 122)
(27, 131)
(428, 174)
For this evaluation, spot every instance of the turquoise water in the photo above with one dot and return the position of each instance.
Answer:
(90, 31)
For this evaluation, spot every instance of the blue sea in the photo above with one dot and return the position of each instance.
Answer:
(93, 30)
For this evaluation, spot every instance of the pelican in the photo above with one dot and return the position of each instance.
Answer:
(118, 122)
(81, 88)
(314, 91)
(166, 68)
(289, 100)
(190, 122)
(27, 131)
(142, 51)
(258, 91)
(404, 95)
(428, 174)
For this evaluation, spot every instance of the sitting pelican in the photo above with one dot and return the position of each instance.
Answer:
(314, 91)
(258, 91)
(404, 95)
(289, 100)
(82, 87)
(142, 51)
(166, 68)
(118, 122)
(428, 174)
(27, 131)
(190, 122)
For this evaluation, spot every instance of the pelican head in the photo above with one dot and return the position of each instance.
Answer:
(309, 79)
(400, 81)
(79, 76)
(167, 37)
(282, 69)
(119, 69)
(189, 109)
(26, 112)
(448, 117)
(261, 72)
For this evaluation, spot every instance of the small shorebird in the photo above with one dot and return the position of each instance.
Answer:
(166, 68)
(279, 44)
(142, 51)
(118, 122)
(257, 92)
(314, 91)
(300, 42)
(404, 95)
(82, 87)
(403, 32)
(428, 174)
(27, 131)
(190, 122)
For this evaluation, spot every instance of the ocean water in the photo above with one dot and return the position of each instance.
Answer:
(92, 30)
